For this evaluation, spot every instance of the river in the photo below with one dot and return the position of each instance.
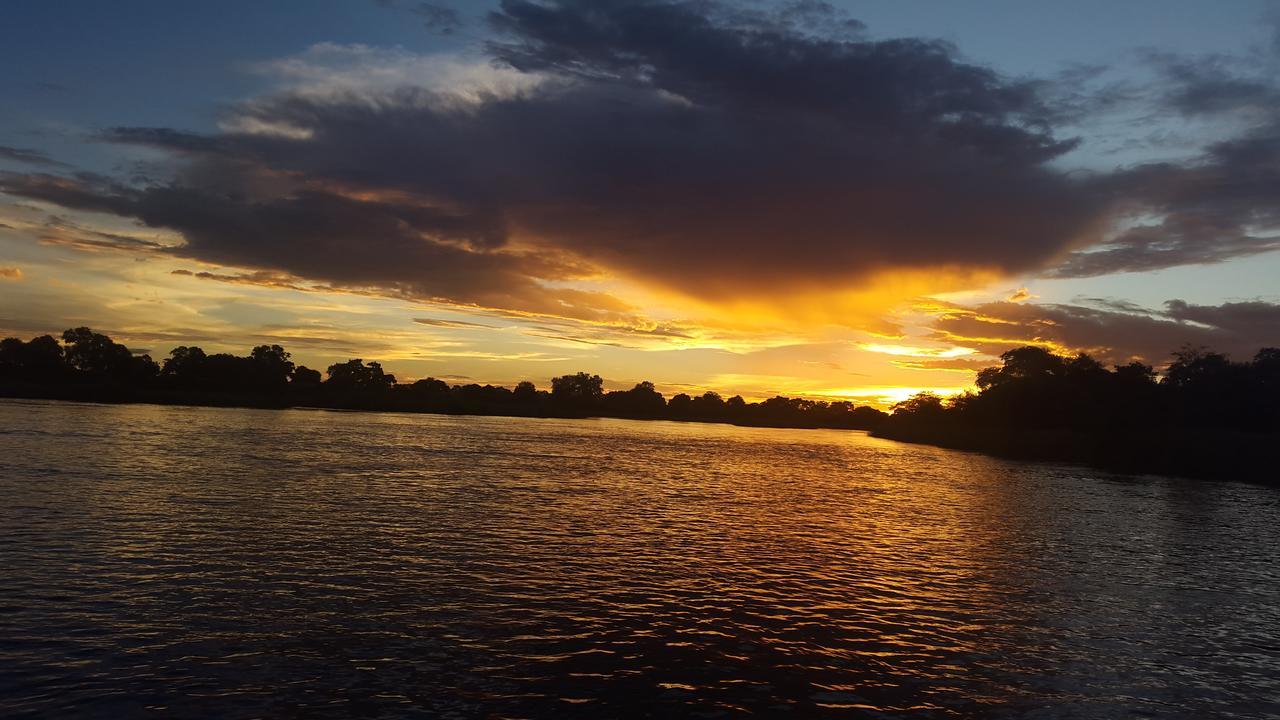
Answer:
(197, 562)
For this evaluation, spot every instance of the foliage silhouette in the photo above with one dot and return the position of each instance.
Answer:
(641, 401)
(1206, 417)
(355, 375)
(91, 366)
(97, 357)
(577, 393)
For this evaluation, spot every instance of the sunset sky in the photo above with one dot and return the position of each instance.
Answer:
(851, 200)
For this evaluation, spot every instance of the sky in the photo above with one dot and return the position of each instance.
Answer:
(843, 200)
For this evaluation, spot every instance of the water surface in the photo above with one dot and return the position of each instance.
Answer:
(196, 562)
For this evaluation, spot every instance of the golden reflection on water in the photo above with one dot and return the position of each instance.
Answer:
(335, 564)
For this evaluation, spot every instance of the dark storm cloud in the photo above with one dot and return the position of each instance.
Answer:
(1245, 320)
(28, 156)
(690, 144)
(335, 239)
(1115, 332)
(717, 149)
(1222, 206)
(72, 193)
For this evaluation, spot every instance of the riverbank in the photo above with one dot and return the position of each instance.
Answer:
(320, 399)
(1207, 454)
(1204, 454)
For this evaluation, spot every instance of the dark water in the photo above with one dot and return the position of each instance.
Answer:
(184, 562)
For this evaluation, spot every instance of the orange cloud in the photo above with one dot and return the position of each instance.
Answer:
(1021, 295)
(917, 352)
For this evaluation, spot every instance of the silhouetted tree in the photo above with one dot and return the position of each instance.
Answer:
(1025, 363)
(38, 360)
(1266, 381)
(431, 386)
(11, 364)
(1193, 366)
(708, 406)
(680, 406)
(641, 401)
(356, 375)
(923, 407)
(305, 378)
(1267, 363)
(525, 392)
(1135, 373)
(185, 365)
(272, 365)
(580, 392)
(268, 376)
(98, 357)
(1036, 405)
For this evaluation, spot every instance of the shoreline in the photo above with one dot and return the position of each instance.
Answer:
(1255, 454)
(1207, 455)
(98, 396)
(1198, 454)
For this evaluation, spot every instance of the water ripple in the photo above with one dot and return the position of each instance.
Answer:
(188, 562)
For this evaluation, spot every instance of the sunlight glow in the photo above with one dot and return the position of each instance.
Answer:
(883, 396)
(917, 352)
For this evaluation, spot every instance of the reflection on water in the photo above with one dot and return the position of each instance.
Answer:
(197, 562)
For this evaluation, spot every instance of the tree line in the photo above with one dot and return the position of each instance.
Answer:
(1206, 416)
(85, 365)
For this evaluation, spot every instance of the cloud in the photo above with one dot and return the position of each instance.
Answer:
(1020, 295)
(261, 278)
(10, 273)
(438, 18)
(916, 352)
(1216, 84)
(62, 232)
(1114, 304)
(694, 147)
(700, 149)
(1114, 333)
(406, 249)
(713, 155)
(439, 322)
(1245, 322)
(636, 335)
(966, 365)
(29, 157)
(1219, 205)
(343, 74)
